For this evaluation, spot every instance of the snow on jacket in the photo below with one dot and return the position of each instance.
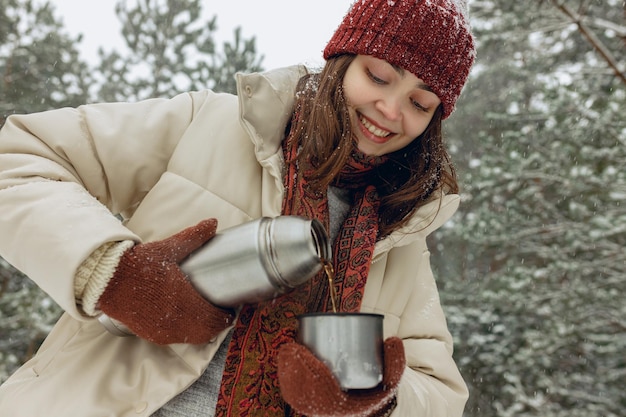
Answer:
(163, 165)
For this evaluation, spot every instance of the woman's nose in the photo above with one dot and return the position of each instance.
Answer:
(389, 107)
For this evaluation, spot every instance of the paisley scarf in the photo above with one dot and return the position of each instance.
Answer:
(249, 383)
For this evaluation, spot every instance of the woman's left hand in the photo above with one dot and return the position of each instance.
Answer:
(311, 389)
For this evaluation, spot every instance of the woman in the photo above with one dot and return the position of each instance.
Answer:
(358, 147)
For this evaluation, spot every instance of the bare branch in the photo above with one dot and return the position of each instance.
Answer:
(595, 42)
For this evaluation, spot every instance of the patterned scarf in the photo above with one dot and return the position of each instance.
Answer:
(250, 384)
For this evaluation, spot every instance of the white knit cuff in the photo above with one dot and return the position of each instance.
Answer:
(94, 274)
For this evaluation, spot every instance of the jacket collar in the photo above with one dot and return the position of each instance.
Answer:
(266, 102)
(422, 223)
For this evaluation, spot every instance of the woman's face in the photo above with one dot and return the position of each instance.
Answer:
(389, 107)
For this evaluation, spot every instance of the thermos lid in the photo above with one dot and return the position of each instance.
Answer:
(297, 247)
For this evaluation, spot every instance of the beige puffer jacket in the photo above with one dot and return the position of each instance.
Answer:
(164, 165)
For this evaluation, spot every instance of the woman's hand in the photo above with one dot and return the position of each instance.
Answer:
(311, 389)
(151, 295)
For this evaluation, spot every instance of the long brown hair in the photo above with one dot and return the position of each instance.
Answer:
(411, 176)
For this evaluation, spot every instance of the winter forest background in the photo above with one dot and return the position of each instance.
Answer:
(532, 270)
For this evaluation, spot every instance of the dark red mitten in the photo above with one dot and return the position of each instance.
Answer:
(311, 389)
(151, 295)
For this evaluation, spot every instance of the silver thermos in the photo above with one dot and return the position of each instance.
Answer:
(253, 262)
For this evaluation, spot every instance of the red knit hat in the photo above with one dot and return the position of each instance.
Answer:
(429, 38)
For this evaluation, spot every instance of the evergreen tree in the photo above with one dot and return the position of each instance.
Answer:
(170, 51)
(38, 62)
(533, 295)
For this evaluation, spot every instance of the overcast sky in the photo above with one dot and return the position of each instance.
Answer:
(287, 31)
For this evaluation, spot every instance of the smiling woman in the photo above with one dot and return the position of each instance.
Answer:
(101, 28)
(357, 146)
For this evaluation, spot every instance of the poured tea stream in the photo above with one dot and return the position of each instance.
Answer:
(330, 273)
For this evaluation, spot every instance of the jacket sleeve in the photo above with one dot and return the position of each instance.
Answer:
(431, 382)
(66, 173)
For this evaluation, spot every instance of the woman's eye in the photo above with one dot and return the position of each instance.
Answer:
(418, 106)
(374, 78)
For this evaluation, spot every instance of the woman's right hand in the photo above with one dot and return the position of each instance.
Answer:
(152, 296)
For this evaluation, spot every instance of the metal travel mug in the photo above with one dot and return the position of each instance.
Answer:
(349, 344)
(253, 262)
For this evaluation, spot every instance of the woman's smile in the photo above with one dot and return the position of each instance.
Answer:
(372, 131)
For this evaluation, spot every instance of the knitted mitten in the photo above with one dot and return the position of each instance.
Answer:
(151, 295)
(311, 389)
